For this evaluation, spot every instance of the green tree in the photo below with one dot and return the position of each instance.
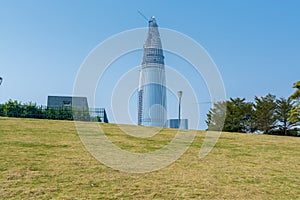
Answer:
(1, 109)
(294, 116)
(65, 113)
(238, 116)
(283, 111)
(296, 94)
(264, 114)
(13, 109)
(216, 116)
(80, 114)
(30, 110)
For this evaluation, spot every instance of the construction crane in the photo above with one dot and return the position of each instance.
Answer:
(143, 15)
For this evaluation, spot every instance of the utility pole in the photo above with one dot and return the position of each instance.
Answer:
(179, 94)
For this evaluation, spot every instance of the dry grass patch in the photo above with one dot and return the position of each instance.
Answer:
(43, 159)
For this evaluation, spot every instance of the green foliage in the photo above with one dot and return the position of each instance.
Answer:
(267, 115)
(13, 109)
(1, 109)
(31, 110)
(294, 116)
(296, 94)
(238, 116)
(283, 113)
(264, 114)
(216, 116)
(81, 114)
(235, 115)
(295, 111)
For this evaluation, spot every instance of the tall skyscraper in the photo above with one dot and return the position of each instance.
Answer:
(152, 98)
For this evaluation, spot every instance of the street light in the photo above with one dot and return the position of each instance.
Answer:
(179, 94)
(1, 79)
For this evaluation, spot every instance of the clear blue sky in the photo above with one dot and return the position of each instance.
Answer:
(255, 44)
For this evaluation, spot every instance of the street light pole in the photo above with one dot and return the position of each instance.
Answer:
(179, 93)
(1, 79)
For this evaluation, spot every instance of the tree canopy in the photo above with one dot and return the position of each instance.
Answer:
(295, 111)
(266, 115)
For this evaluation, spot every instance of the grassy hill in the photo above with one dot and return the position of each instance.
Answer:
(43, 159)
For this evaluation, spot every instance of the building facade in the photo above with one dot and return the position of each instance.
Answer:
(152, 97)
(67, 102)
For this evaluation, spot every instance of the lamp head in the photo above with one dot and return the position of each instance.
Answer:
(179, 94)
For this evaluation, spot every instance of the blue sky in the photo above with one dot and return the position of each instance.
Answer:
(255, 44)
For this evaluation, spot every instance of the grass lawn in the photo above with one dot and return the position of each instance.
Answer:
(45, 159)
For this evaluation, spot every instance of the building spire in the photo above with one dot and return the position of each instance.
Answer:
(152, 91)
(153, 37)
(152, 22)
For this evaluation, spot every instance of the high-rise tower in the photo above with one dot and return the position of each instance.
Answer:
(152, 96)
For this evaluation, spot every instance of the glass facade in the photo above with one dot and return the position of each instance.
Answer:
(152, 98)
(174, 123)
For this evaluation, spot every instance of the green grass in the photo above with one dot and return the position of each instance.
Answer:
(45, 159)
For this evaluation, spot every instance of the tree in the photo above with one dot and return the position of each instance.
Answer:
(13, 109)
(264, 114)
(81, 114)
(238, 116)
(296, 94)
(1, 109)
(234, 115)
(294, 116)
(30, 110)
(283, 111)
(216, 116)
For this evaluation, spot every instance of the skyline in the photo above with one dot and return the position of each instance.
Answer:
(254, 44)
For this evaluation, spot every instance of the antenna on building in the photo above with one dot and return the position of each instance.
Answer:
(143, 15)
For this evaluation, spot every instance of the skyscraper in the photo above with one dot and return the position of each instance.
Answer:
(152, 96)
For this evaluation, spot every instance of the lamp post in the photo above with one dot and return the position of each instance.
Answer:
(1, 79)
(179, 94)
